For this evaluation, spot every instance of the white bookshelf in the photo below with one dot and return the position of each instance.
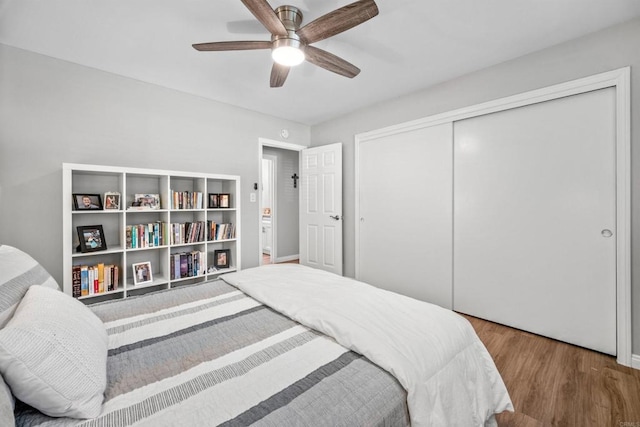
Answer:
(94, 179)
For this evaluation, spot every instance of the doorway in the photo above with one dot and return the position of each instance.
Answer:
(278, 196)
(268, 211)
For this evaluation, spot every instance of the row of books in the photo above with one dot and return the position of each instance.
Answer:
(199, 231)
(162, 234)
(94, 279)
(187, 200)
(187, 264)
(222, 231)
(188, 232)
(146, 235)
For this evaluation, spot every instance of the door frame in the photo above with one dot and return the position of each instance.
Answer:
(620, 80)
(264, 142)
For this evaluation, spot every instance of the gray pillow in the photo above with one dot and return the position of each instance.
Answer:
(6, 405)
(53, 355)
(18, 271)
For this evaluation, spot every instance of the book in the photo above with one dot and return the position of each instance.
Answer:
(115, 277)
(183, 265)
(84, 280)
(100, 278)
(76, 281)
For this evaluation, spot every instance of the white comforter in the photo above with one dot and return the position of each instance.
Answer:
(435, 354)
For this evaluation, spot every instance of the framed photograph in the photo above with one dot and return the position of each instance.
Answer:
(142, 273)
(112, 201)
(91, 238)
(87, 202)
(221, 258)
(213, 200)
(224, 200)
(149, 201)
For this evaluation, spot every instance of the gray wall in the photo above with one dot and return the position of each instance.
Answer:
(53, 111)
(606, 50)
(287, 212)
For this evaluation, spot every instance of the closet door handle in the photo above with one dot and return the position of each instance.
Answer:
(336, 217)
(606, 233)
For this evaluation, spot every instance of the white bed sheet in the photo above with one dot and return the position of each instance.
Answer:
(434, 353)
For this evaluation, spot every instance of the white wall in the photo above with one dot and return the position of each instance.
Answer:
(603, 51)
(52, 111)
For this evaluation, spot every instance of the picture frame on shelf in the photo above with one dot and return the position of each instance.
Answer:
(142, 273)
(221, 258)
(224, 200)
(146, 201)
(112, 201)
(91, 238)
(87, 202)
(213, 201)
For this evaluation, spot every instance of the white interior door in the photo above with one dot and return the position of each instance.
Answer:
(321, 208)
(405, 213)
(535, 218)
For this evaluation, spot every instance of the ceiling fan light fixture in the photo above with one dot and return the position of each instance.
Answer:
(287, 52)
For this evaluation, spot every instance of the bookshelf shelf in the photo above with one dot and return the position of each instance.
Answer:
(115, 250)
(155, 229)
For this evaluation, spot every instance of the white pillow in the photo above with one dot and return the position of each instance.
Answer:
(53, 355)
(18, 271)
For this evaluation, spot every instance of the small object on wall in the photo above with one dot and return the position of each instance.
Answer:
(295, 178)
(284, 133)
(255, 185)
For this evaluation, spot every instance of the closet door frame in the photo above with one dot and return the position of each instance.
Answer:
(620, 80)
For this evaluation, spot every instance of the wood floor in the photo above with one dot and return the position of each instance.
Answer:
(266, 259)
(556, 384)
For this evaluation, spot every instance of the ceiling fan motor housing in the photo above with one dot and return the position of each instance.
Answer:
(291, 18)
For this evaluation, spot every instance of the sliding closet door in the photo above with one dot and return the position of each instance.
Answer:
(534, 221)
(405, 201)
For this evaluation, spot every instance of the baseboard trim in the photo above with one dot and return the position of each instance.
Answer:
(287, 258)
(635, 361)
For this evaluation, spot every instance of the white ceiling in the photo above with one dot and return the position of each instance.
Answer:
(410, 45)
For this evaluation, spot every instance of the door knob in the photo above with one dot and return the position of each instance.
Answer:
(606, 233)
(336, 217)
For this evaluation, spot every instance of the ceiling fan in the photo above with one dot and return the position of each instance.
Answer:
(290, 43)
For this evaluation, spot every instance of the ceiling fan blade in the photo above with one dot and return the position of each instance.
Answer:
(338, 21)
(266, 15)
(240, 45)
(279, 74)
(330, 62)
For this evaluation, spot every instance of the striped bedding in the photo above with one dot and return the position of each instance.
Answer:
(208, 354)
(434, 353)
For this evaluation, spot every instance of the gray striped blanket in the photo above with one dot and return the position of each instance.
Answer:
(207, 355)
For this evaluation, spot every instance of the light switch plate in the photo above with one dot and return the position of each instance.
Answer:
(252, 197)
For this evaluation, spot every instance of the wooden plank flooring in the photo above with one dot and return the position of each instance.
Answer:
(552, 383)
(266, 259)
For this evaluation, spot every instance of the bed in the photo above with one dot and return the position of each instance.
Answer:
(268, 346)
